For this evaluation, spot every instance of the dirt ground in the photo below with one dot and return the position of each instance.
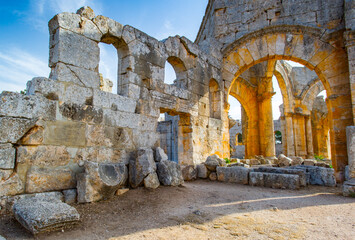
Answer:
(209, 210)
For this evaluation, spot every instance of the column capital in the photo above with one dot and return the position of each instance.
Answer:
(265, 96)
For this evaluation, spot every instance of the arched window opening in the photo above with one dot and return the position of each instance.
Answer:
(175, 73)
(278, 137)
(323, 93)
(114, 65)
(215, 99)
(240, 139)
(276, 99)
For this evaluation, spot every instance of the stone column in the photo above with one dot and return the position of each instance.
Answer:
(309, 141)
(289, 135)
(266, 125)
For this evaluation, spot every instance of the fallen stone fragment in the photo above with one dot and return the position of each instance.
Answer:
(233, 174)
(160, 155)
(141, 166)
(318, 175)
(39, 216)
(151, 181)
(100, 181)
(349, 188)
(70, 196)
(213, 162)
(296, 161)
(301, 173)
(121, 191)
(309, 162)
(274, 180)
(189, 172)
(213, 176)
(202, 171)
(284, 161)
(169, 173)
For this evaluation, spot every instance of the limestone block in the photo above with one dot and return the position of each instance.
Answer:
(49, 179)
(350, 140)
(102, 155)
(39, 216)
(7, 156)
(202, 171)
(34, 136)
(108, 26)
(74, 49)
(309, 162)
(147, 123)
(160, 155)
(233, 174)
(151, 181)
(11, 186)
(24, 106)
(296, 161)
(189, 172)
(43, 156)
(121, 119)
(5, 174)
(176, 91)
(318, 175)
(213, 162)
(274, 180)
(113, 101)
(213, 176)
(86, 12)
(349, 188)
(169, 173)
(12, 129)
(77, 95)
(83, 113)
(77, 75)
(99, 135)
(100, 181)
(347, 173)
(141, 166)
(70, 196)
(65, 133)
(301, 173)
(48, 88)
(284, 161)
(146, 139)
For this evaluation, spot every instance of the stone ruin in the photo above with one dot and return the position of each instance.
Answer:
(68, 136)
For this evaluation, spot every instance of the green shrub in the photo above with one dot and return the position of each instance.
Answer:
(319, 157)
(227, 160)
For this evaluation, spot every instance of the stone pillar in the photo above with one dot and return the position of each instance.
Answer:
(350, 140)
(290, 136)
(309, 142)
(266, 125)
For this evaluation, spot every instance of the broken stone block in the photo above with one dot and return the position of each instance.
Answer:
(49, 179)
(113, 101)
(296, 161)
(284, 161)
(213, 162)
(189, 172)
(7, 156)
(151, 181)
(233, 174)
(121, 191)
(25, 106)
(141, 166)
(274, 180)
(349, 188)
(100, 181)
(160, 155)
(347, 173)
(5, 174)
(202, 171)
(309, 162)
(213, 176)
(301, 173)
(321, 164)
(11, 186)
(169, 173)
(318, 175)
(70, 196)
(39, 216)
(12, 129)
(86, 12)
(254, 162)
(350, 141)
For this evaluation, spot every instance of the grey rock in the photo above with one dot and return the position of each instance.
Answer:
(189, 172)
(309, 162)
(11, 186)
(318, 175)
(140, 166)
(349, 188)
(100, 181)
(202, 171)
(7, 156)
(151, 181)
(169, 173)
(86, 11)
(160, 155)
(283, 161)
(347, 173)
(213, 162)
(350, 141)
(233, 174)
(274, 180)
(13, 129)
(70, 196)
(39, 216)
(301, 173)
(213, 176)
(296, 161)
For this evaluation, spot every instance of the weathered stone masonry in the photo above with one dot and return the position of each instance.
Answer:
(63, 120)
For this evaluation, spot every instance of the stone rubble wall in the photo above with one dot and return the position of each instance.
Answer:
(63, 120)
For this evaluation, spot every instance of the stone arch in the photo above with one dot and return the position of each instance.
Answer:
(285, 86)
(309, 95)
(309, 47)
(180, 71)
(215, 99)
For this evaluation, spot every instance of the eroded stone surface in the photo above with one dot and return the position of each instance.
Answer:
(142, 165)
(169, 173)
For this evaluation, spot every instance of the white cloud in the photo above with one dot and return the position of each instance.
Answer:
(17, 67)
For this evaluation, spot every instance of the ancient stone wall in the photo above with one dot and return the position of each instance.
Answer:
(66, 119)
